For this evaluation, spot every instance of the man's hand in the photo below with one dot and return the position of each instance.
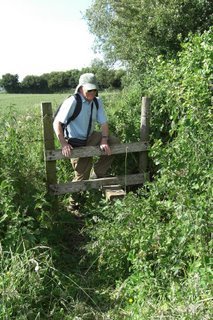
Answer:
(106, 148)
(66, 149)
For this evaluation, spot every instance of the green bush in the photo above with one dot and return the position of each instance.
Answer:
(156, 245)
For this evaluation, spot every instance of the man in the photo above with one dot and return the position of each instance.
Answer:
(82, 129)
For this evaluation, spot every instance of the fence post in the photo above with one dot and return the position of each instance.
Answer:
(48, 133)
(144, 133)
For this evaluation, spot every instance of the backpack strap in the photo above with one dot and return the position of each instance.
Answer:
(78, 107)
(77, 110)
(95, 100)
(96, 103)
(56, 112)
(90, 121)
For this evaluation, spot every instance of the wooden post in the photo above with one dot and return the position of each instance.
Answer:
(144, 133)
(47, 117)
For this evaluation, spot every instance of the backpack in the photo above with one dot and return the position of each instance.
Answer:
(77, 110)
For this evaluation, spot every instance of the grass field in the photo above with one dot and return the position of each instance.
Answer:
(24, 102)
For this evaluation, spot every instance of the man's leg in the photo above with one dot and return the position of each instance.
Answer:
(83, 166)
(103, 164)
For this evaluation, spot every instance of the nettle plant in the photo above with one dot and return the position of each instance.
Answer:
(21, 177)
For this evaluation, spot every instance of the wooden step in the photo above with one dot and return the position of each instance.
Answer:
(114, 192)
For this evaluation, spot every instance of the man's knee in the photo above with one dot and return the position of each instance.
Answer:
(113, 140)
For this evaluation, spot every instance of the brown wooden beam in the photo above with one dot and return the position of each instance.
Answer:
(76, 186)
(48, 134)
(52, 155)
(144, 133)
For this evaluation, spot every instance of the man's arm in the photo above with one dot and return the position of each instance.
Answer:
(66, 147)
(104, 141)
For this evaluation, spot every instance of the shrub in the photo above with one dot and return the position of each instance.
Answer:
(156, 245)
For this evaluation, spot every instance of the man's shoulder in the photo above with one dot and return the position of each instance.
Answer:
(70, 98)
(68, 101)
(100, 101)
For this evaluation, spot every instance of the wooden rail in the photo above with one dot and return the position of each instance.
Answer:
(76, 186)
(51, 155)
(91, 151)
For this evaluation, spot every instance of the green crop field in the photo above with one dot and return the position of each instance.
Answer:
(26, 102)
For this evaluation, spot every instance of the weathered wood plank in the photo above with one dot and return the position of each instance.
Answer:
(114, 192)
(144, 132)
(46, 112)
(52, 155)
(76, 186)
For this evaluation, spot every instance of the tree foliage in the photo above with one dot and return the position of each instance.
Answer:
(10, 83)
(62, 81)
(34, 84)
(131, 31)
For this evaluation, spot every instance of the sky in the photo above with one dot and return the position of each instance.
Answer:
(41, 36)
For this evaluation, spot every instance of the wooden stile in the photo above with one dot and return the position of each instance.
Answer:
(112, 185)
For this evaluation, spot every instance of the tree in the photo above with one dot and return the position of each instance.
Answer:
(107, 77)
(10, 83)
(34, 84)
(62, 81)
(73, 76)
(132, 31)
